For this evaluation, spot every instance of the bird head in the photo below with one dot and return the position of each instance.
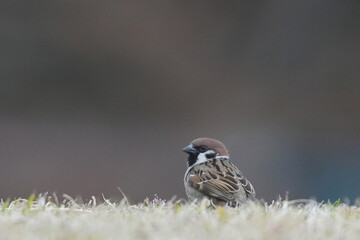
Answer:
(203, 149)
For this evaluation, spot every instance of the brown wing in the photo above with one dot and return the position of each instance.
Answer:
(249, 189)
(220, 179)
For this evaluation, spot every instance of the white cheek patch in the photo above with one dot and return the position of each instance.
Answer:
(202, 156)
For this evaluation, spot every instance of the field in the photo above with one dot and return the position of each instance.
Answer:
(45, 217)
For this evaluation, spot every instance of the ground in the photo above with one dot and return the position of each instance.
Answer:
(44, 217)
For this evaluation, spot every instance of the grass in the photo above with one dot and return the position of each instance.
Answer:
(44, 217)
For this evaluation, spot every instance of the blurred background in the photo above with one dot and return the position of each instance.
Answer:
(97, 95)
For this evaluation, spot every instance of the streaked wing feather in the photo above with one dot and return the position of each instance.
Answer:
(221, 184)
(249, 189)
(213, 191)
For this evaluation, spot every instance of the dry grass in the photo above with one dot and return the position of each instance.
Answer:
(45, 218)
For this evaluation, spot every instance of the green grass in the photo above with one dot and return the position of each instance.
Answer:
(45, 217)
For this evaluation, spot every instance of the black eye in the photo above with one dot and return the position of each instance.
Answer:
(203, 148)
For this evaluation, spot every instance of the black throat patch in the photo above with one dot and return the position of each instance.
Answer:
(191, 159)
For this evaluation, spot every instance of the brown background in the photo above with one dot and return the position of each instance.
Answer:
(100, 94)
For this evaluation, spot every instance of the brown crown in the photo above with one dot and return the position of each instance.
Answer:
(213, 144)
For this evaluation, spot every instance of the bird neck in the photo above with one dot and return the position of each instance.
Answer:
(221, 157)
(192, 160)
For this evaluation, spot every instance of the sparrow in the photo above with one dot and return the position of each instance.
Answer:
(210, 174)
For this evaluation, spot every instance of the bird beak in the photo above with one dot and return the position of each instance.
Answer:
(190, 149)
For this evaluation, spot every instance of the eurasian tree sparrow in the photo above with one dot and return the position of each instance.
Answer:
(210, 174)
